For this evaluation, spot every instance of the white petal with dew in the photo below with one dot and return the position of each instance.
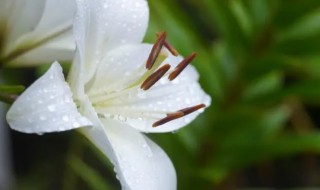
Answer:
(101, 25)
(114, 98)
(119, 68)
(46, 106)
(139, 163)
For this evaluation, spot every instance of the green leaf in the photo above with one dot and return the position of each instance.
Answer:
(11, 89)
(243, 17)
(221, 15)
(306, 90)
(264, 85)
(305, 27)
(90, 176)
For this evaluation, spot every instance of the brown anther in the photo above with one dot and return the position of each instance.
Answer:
(170, 117)
(172, 50)
(155, 50)
(192, 109)
(154, 77)
(181, 66)
(178, 114)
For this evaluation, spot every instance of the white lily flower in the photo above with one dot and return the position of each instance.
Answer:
(36, 31)
(113, 96)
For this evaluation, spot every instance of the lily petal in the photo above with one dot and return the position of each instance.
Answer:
(119, 68)
(101, 25)
(53, 21)
(5, 9)
(21, 16)
(139, 163)
(46, 106)
(61, 48)
(116, 99)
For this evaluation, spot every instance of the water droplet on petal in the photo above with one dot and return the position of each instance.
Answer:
(175, 131)
(52, 108)
(76, 124)
(65, 118)
(43, 118)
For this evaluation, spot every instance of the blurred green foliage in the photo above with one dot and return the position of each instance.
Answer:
(260, 62)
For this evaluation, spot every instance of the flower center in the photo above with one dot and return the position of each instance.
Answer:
(154, 72)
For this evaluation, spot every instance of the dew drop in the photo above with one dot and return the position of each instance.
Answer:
(67, 99)
(175, 131)
(52, 108)
(43, 118)
(186, 119)
(75, 124)
(122, 118)
(65, 118)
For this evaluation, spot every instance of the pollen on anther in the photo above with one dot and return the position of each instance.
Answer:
(155, 50)
(182, 65)
(155, 77)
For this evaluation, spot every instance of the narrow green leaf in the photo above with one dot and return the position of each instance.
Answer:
(264, 85)
(229, 27)
(11, 89)
(92, 177)
(303, 28)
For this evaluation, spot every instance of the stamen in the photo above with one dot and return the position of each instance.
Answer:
(189, 110)
(172, 50)
(156, 50)
(178, 114)
(170, 117)
(154, 77)
(182, 65)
